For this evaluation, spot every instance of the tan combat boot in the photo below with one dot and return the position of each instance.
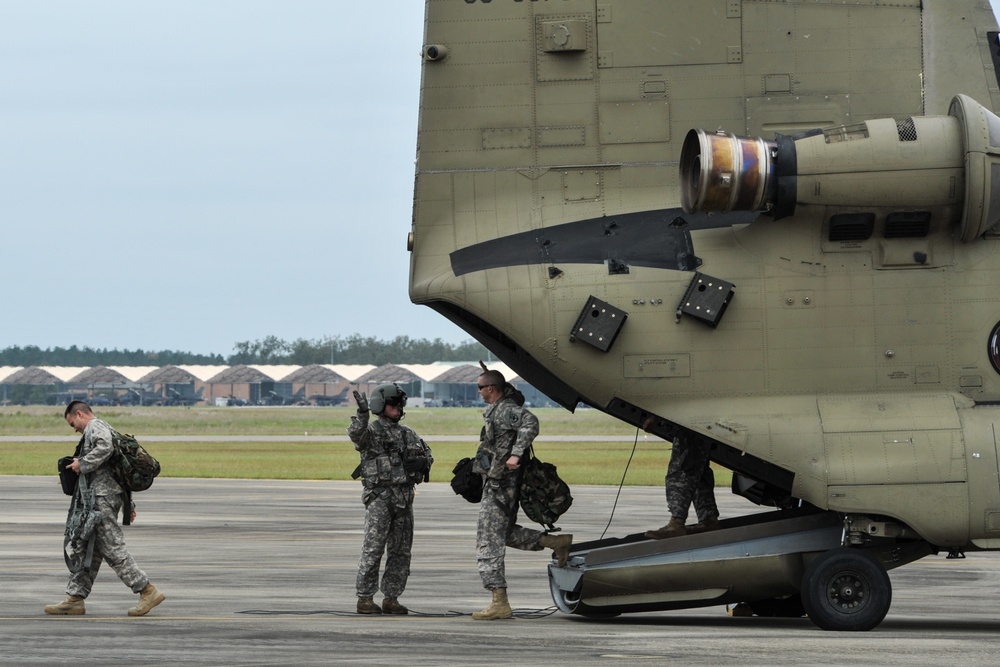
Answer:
(499, 608)
(675, 528)
(148, 598)
(71, 606)
(559, 544)
(368, 606)
(392, 606)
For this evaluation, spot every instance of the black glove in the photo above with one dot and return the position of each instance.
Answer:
(416, 464)
(362, 401)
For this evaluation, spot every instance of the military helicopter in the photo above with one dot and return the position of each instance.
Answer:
(770, 227)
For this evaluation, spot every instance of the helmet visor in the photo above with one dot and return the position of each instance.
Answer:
(396, 401)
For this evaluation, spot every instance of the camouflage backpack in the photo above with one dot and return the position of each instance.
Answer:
(132, 466)
(544, 495)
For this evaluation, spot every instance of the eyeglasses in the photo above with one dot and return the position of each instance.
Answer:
(484, 386)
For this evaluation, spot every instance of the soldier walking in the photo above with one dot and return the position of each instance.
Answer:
(98, 491)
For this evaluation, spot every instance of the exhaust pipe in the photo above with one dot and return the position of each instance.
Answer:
(949, 164)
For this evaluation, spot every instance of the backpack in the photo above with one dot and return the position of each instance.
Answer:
(544, 496)
(131, 465)
(466, 482)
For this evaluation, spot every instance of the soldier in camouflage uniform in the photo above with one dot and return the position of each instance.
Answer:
(95, 451)
(393, 459)
(508, 431)
(689, 480)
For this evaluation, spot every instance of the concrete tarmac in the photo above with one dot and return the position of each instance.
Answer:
(262, 573)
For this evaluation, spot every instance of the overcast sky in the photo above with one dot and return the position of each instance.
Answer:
(186, 174)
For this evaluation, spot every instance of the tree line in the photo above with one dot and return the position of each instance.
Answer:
(353, 349)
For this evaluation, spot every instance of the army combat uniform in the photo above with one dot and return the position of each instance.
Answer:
(385, 446)
(508, 431)
(690, 480)
(109, 543)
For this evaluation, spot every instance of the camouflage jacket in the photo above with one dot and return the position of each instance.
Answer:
(509, 429)
(97, 449)
(384, 445)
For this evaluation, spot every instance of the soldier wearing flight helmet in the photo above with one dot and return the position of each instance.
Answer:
(393, 459)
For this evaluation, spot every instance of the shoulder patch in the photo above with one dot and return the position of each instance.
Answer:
(514, 416)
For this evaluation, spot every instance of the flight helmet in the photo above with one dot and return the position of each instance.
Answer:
(386, 394)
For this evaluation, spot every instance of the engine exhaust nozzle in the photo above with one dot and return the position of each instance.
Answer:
(724, 172)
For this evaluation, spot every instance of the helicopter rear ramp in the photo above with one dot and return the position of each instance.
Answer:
(755, 557)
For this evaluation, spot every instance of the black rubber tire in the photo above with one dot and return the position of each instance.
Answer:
(846, 589)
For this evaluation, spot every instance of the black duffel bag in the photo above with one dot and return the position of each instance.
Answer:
(67, 477)
(466, 482)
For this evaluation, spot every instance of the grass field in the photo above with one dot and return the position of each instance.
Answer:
(578, 462)
(44, 420)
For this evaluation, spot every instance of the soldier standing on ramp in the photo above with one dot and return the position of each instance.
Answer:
(393, 459)
(689, 480)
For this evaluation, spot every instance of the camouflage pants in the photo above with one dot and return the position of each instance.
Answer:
(498, 529)
(109, 546)
(690, 480)
(388, 528)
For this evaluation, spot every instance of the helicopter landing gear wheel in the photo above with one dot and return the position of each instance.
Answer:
(846, 589)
